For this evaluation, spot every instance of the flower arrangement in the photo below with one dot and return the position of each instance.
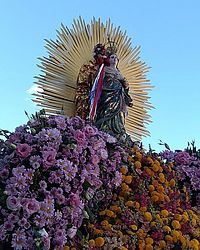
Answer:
(64, 185)
(54, 172)
(147, 211)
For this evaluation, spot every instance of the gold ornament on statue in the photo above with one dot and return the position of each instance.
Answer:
(70, 69)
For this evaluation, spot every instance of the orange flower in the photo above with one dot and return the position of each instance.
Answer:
(149, 240)
(66, 248)
(149, 160)
(123, 170)
(129, 203)
(151, 188)
(99, 242)
(115, 208)
(155, 183)
(155, 167)
(160, 189)
(172, 183)
(91, 243)
(143, 209)
(155, 198)
(104, 223)
(137, 204)
(128, 179)
(178, 217)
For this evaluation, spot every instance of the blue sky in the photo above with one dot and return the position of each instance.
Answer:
(169, 35)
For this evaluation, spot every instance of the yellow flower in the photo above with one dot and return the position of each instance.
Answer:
(166, 229)
(129, 203)
(137, 204)
(91, 243)
(133, 227)
(140, 233)
(66, 248)
(149, 160)
(123, 248)
(137, 164)
(110, 213)
(149, 241)
(193, 222)
(178, 217)
(164, 213)
(162, 244)
(176, 224)
(148, 216)
(73, 248)
(125, 187)
(138, 155)
(104, 223)
(148, 247)
(102, 212)
(99, 242)
(194, 242)
(168, 238)
(128, 179)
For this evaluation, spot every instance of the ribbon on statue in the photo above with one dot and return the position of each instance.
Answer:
(95, 93)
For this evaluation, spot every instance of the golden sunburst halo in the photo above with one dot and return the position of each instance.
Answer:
(72, 49)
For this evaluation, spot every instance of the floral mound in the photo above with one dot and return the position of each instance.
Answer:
(53, 174)
(66, 185)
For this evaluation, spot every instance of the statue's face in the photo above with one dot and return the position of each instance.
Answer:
(113, 59)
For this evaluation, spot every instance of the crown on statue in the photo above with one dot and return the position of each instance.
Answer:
(111, 49)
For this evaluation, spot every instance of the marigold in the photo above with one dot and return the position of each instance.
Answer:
(99, 242)
(149, 240)
(193, 222)
(162, 244)
(164, 213)
(128, 179)
(149, 159)
(104, 223)
(129, 203)
(166, 229)
(143, 209)
(155, 167)
(66, 248)
(133, 227)
(178, 217)
(155, 183)
(148, 216)
(155, 198)
(140, 233)
(123, 248)
(172, 183)
(138, 156)
(115, 208)
(102, 212)
(125, 187)
(123, 170)
(73, 248)
(160, 189)
(168, 238)
(176, 224)
(148, 247)
(151, 188)
(137, 204)
(91, 243)
(137, 164)
(110, 213)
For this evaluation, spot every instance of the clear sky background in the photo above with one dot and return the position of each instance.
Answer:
(169, 35)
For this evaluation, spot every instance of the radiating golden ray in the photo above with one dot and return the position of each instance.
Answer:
(72, 49)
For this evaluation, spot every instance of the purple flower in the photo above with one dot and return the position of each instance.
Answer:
(182, 158)
(49, 157)
(71, 232)
(32, 206)
(46, 242)
(12, 203)
(80, 137)
(23, 150)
